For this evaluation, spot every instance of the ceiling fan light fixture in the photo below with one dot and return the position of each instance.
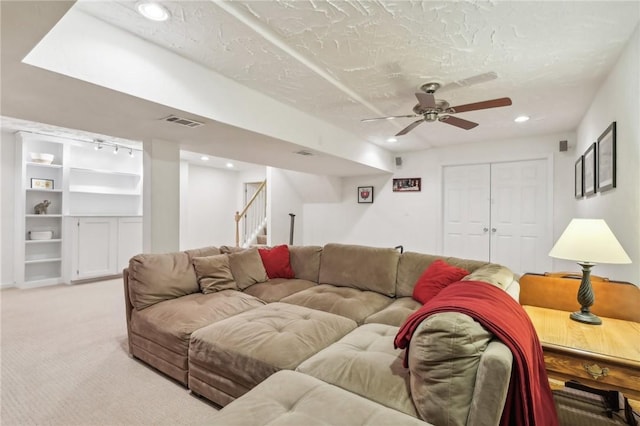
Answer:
(153, 11)
(521, 118)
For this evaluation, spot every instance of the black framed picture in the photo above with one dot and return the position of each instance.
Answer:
(579, 177)
(607, 159)
(365, 194)
(589, 159)
(407, 185)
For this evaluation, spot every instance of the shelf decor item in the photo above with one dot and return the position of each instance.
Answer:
(590, 170)
(588, 241)
(607, 159)
(40, 235)
(365, 194)
(37, 157)
(407, 185)
(41, 183)
(41, 208)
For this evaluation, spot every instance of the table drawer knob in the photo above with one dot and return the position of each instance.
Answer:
(596, 371)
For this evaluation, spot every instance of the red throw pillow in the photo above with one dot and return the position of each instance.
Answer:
(276, 262)
(436, 277)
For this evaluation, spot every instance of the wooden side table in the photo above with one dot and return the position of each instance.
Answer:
(604, 356)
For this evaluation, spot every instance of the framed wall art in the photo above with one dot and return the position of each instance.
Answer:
(589, 159)
(579, 177)
(407, 185)
(41, 183)
(607, 159)
(365, 194)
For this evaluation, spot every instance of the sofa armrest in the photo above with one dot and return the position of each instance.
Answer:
(491, 386)
(127, 305)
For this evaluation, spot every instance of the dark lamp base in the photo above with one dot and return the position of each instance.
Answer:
(586, 317)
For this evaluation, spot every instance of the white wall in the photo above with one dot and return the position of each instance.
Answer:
(210, 203)
(618, 100)
(283, 198)
(7, 208)
(413, 219)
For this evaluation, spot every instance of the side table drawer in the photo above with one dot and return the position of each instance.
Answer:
(592, 372)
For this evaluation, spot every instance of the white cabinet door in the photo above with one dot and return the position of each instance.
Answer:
(520, 237)
(466, 211)
(96, 247)
(129, 239)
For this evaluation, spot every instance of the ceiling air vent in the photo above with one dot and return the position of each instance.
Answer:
(303, 152)
(182, 121)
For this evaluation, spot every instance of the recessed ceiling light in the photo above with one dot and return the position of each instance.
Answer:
(204, 158)
(153, 11)
(392, 140)
(521, 119)
(230, 165)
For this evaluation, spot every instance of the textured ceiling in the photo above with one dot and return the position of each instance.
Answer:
(340, 61)
(347, 60)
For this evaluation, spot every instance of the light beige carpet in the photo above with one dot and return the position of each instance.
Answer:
(64, 361)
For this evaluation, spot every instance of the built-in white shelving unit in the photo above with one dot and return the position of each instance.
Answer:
(81, 183)
(39, 262)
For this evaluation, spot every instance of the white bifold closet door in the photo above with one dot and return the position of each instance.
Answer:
(498, 212)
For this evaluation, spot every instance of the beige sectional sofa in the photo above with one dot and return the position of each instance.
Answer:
(283, 350)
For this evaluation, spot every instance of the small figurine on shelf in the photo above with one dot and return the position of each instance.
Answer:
(41, 208)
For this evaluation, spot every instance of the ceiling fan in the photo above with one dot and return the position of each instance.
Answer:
(431, 109)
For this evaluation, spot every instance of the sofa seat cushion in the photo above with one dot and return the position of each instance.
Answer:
(276, 289)
(170, 323)
(396, 313)
(364, 362)
(288, 398)
(237, 353)
(345, 301)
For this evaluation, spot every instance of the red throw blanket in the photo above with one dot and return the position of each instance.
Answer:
(529, 399)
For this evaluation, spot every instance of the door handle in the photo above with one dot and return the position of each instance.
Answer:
(485, 229)
(493, 229)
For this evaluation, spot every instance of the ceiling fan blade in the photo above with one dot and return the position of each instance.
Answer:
(410, 127)
(476, 79)
(391, 117)
(458, 122)
(426, 100)
(494, 103)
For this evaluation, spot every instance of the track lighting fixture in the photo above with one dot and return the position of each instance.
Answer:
(115, 150)
(131, 152)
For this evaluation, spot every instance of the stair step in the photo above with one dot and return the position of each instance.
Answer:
(262, 239)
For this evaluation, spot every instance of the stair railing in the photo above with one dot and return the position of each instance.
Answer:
(254, 215)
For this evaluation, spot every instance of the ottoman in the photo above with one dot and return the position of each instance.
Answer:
(374, 367)
(230, 357)
(289, 398)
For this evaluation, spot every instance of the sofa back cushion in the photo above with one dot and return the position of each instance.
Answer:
(444, 356)
(202, 252)
(305, 262)
(157, 277)
(247, 268)
(361, 267)
(214, 273)
(412, 265)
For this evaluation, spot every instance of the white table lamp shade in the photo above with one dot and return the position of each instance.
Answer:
(591, 241)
